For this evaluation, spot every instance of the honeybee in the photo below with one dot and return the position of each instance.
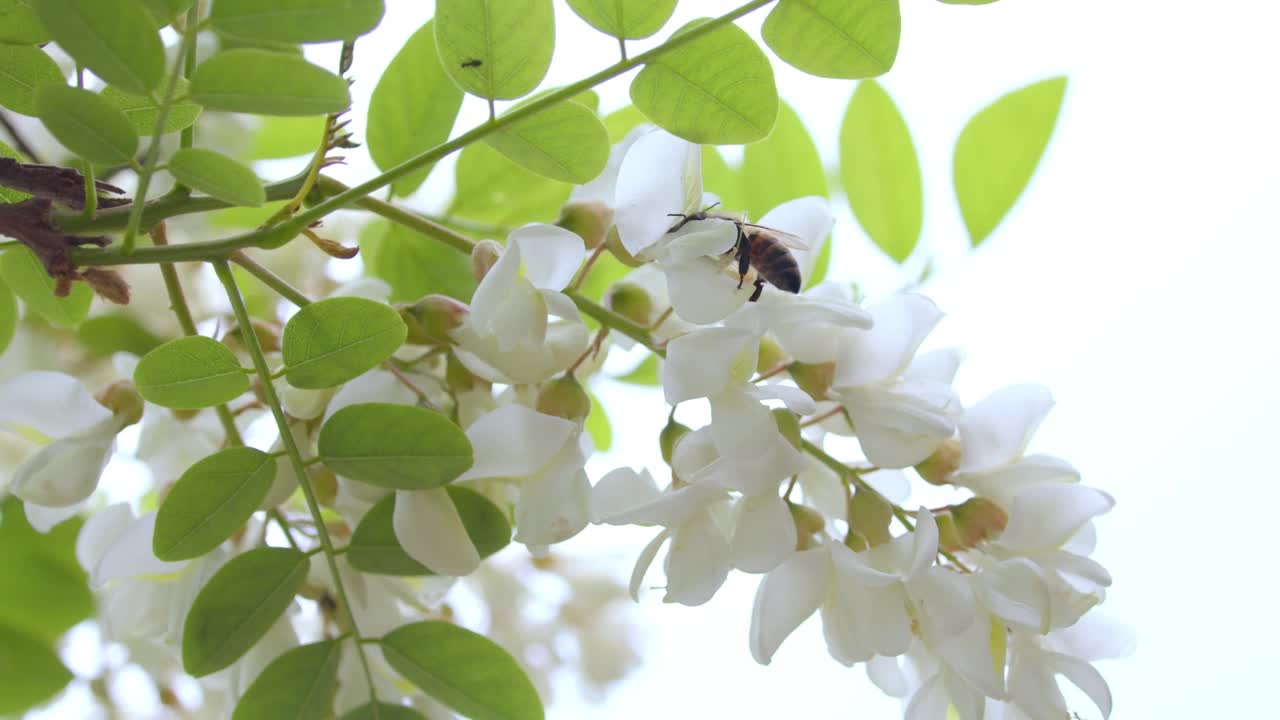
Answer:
(759, 247)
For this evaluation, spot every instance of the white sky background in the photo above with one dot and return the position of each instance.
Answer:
(1131, 279)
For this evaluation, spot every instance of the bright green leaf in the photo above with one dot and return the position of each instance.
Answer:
(880, 171)
(394, 446)
(717, 89)
(45, 591)
(142, 113)
(9, 195)
(164, 11)
(631, 19)
(383, 711)
(296, 21)
(287, 137)
(211, 501)
(190, 372)
(412, 108)
(622, 121)
(22, 69)
(415, 265)
(598, 425)
(782, 167)
(835, 38)
(238, 605)
(262, 82)
(104, 335)
(563, 142)
(493, 189)
(26, 277)
(30, 671)
(998, 150)
(332, 341)
(86, 124)
(374, 547)
(466, 671)
(588, 99)
(511, 40)
(299, 684)
(117, 40)
(728, 183)
(8, 316)
(217, 175)
(646, 373)
(244, 217)
(19, 24)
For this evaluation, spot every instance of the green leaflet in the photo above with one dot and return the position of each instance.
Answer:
(497, 49)
(211, 501)
(32, 671)
(564, 142)
(598, 425)
(295, 21)
(880, 171)
(998, 151)
(86, 124)
(494, 189)
(835, 38)
(383, 711)
(262, 82)
(8, 316)
(142, 113)
(238, 605)
(782, 167)
(164, 11)
(116, 332)
(117, 40)
(286, 137)
(464, 670)
(414, 265)
(19, 24)
(26, 277)
(299, 684)
(190, 372)
(374, 547)
(394, 446)
(412, 109)
(218, 176)
(45, 591)
(631, 19)
(717, 89)
(22, 70)
(332, 341)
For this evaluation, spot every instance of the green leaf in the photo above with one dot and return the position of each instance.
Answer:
(332, 341)
(117, 40)
(394, 446)
(374, 547)
(782, 167)
(22, 70)
(238, 605)
(8, 316)
(717, 89)
(492, 188)
(190, 372)
(412, 109)
(598, 425)
(267, 83)
(998, 150)
(728, 183)
(26, 277)
(217, 175)
(298, 684)
(45, 591)
(287, 137)
(8, 195)
(164, 11)
(646, 373)
(563, 142)
(622, 121)
(631, 19)
(880, 171)
(383, 711)
(296, 21)
(512, 41)
(835, 38)
(466, 671)
(86, 124)
(19, 24)
(30, 671)
(211, 501)
(104, 335)
(142, 113)
(415, 265)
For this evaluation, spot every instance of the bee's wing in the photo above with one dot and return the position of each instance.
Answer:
(787, 239)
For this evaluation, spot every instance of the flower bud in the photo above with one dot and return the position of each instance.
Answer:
(588, 220)
(268, 337)
(813, 379)
(484, 255)
(770, 355)
(667, 439)
(564, 397)
(631, 302)
(869, 515)
(938, 467)
(614, 245)
(789, 425)
(458, 377)
(123, 400)
(977, 520)
(808, 520)
(325, 484)
(432, 318)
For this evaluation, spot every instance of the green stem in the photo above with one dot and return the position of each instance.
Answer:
(400, 216)
(188, 137)
(270, 279)
(295, 455)
(90, 191)
(614, 321)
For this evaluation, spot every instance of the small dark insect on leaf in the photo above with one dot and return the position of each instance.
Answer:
(472, 63)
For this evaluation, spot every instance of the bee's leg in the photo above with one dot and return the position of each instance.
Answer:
(759, 289)
(744, 256)
(683, 219)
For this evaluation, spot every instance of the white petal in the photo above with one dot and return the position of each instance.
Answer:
(56, 405)
(694, 452)
(785, 598)
(373, 386)
(764, 534)
(66, 471)
(743, 429)
(924, 546)
(130, 555)
(643, 562)
(855, 568)
(1085, 677)
(944, 601)
(697, 561)
(514, 441)
(903, 426)
(757, 475)
(887, 675)
(809, 219)
(672, 509)
(711, 238)
(619, 490)
(968, 703)
(997, 429)
(1014, 591)
(601, 189)
(901, 323)
(969, 654)
(654, 180)
(796, 400)
(930, 702)
(1046, 516)
(702, 293)
(894, 485)
(1033, 688)
(703, 363)
(553, 506)
(938, 366)
(43, 519)
(490, 295)
(551, 254)
(427, 525)
(100, 532)
(1096, 636)
(1005, 482)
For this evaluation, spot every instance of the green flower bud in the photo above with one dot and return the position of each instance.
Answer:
(268, 335)
(631, 302)
(977, 520)
(813, 379)
(458, 377)
(789, 425)
(123, 400)
(483, 256)
(770, 356)
(613, 244)
(808, 520)
(670, 435)
(869, 515)
(588, 220)
(432, 318)
(938, 467)
(564, 397)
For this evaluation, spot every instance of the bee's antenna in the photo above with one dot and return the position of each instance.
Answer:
(711, 206)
